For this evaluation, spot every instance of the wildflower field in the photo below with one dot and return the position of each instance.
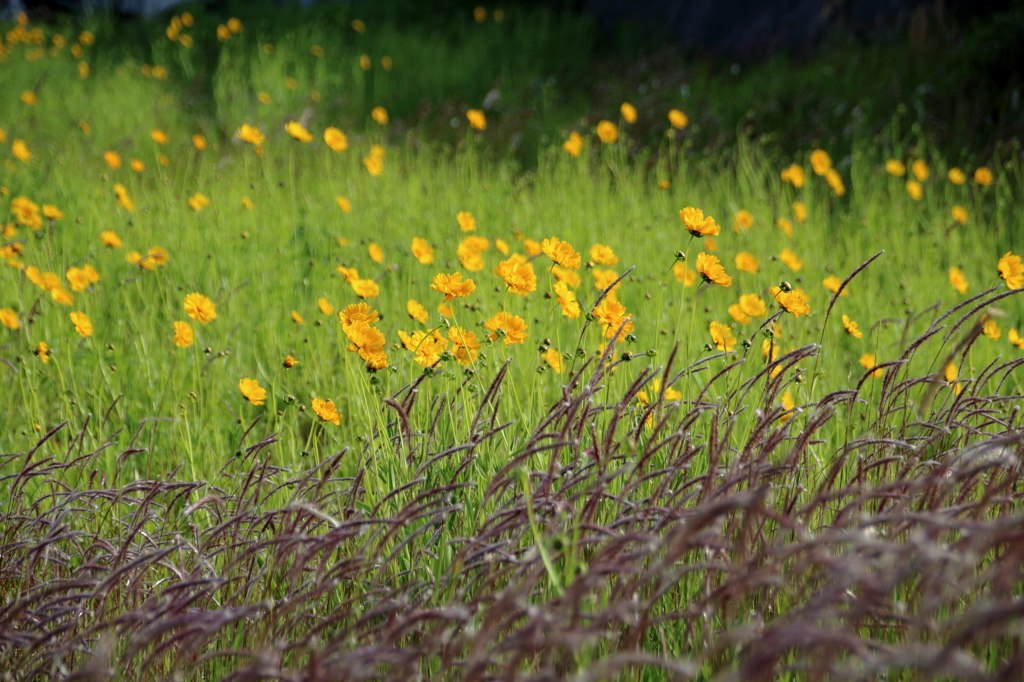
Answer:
(289, 391)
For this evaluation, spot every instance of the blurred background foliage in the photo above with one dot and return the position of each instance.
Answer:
(934, 75)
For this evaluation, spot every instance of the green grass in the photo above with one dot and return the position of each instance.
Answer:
(128, 387)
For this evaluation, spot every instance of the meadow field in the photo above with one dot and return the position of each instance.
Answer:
(291, 388)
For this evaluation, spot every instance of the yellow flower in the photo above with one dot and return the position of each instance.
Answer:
(753, 305)
(376, 253)
(832, 283)
(711, 270)
(156, 256)
(664, 184)
(574, 145)
(289, 362)
(604, 278)
(20, 151)
(427, 347)
(453, 286)
(800, 211)
(197, 202)
(325, 306)
(744, 221)
(358, 25)
(358, 312)
(52, 212)
(737, 314)
(364, 62)
(9, 318)
(678, 119)
(234, 25)
(746, 262)
(722, 336)
(518, 275)
(28, 97)
(896, 168)
(138, 166)
(82, 324)
(416, 311)
(983, 176)
(466, 221)
(868, 361)
(794, 302)
(250, 134)
(466, 345)
(374, 166)
(821, 162)
(554, 360)
(851, 328)
(247, 203)
(253, 392)
(368, 342)
(326, 410)
(570, 277)
(915, 190)
(791, 260)
(42, 351)
(603, 255)
(183, 335)
(956, 176)
(317, 51)
(477, 119)
(1016, 339)
(422, 250)
(688, 276)
(698, 225)
(957, 279)
(365, 288)
(793, 175)
(787, 405)
(113, 159)
(835, 181)
(62, 296)
(378, 152)
(350, 274)
(561, 253)
(335, 139)
(628, 112)
(989, 328)
(160, 73)
(469, 253)
(297, 318)
(380, 115)
(502, 246)
(200, 308)
(78, 279)
(959, 214)
(445, 310)
(164, 161)
(786, 226)
(199, 142)
(1011, 270)
(513, 328)
(344, 204)
(159, 136)
(297, 131)
(567, 300)
(611, 314)
(608, 132)
(123, 198)
(921, 171)
(480, 15)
